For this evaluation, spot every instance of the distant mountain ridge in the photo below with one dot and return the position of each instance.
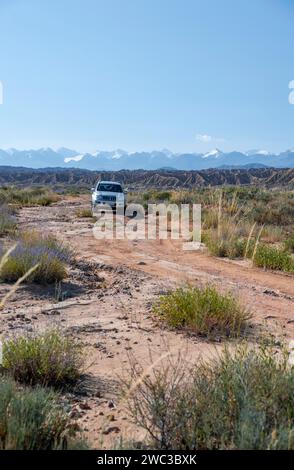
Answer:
(119, 159)
(144, 179)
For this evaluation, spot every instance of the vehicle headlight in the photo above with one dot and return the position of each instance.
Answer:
(99, 197)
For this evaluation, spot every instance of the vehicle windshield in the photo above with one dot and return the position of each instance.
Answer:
(113, 188)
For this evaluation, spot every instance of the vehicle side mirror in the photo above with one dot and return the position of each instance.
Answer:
(126, 191)
(92, 189)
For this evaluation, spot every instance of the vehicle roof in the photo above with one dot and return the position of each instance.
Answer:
(109, 182)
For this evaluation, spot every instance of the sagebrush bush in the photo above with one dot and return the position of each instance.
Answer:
(271, 257)
(7, 221)
(48, 358)
(27, 196)
(240, 400)
(34, 248)
(204, 311)
(278, 211)
(32, 419)
(84, 213)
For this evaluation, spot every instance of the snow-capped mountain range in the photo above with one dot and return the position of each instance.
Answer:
(163, 159)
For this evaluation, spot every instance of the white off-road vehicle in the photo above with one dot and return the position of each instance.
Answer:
(108, 194)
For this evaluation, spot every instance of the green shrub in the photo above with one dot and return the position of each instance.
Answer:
(224, 248)
(31, 419)
(240, 400)
(225, 236)
(289, 244)
(48, 358)
(274, 258)
(162, 195)
(204, 311)
(34, 249)
(48, 271)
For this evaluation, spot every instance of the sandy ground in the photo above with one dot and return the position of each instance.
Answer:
(107, 303)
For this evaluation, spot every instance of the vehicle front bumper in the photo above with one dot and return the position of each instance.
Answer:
(112, 204)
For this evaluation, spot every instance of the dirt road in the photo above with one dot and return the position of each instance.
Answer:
(107, 303)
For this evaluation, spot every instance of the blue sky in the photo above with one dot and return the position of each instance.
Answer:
(188, 75)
